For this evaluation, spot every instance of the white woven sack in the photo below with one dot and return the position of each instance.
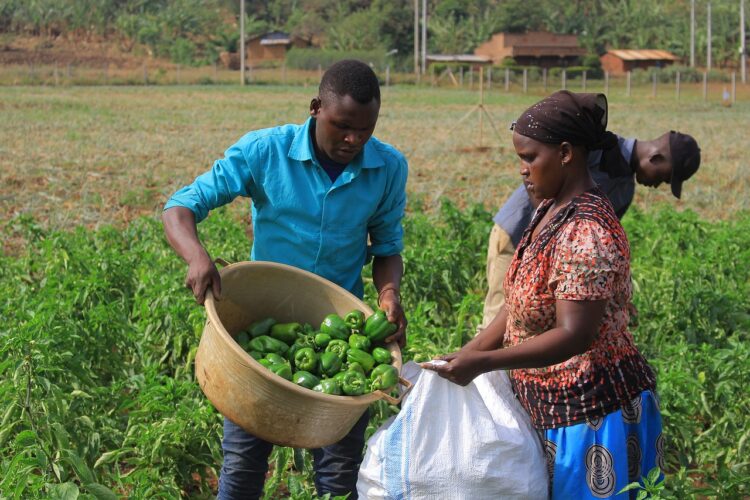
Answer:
(453, 442)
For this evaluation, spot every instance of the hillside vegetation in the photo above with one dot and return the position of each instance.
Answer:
(195, 31)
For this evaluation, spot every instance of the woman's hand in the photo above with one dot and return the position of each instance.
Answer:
(460, 367)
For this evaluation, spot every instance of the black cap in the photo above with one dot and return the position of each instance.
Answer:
(686, 158)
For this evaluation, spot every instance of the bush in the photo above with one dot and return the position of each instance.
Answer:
(313, 58)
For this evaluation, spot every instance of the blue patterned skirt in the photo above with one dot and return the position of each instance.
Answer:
(598, 458)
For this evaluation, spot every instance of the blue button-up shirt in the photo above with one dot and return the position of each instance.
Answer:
(300, 217)
(515, 215)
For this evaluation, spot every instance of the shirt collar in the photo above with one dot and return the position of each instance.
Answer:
(302, 149)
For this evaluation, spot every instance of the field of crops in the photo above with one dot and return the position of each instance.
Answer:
(97, 396)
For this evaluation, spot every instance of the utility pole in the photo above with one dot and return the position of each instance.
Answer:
(743, 48)
(424, 36)
(242, 42)
(416, 37)
(692, 33)
(708, 45)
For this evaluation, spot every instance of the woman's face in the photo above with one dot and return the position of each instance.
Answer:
(541, 166)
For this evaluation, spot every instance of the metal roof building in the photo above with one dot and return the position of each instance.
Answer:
(620, 61)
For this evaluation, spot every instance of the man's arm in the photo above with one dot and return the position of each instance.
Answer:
(386, 275)
(182, 234)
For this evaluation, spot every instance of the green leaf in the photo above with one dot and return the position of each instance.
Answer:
(25, 438)
(79, 466)
(101, 492)
(64, 491)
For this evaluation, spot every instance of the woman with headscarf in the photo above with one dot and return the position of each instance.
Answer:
(562, 333)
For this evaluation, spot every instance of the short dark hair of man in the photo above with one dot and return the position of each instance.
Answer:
(350, 77)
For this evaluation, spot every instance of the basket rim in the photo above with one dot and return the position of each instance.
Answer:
(213, 317)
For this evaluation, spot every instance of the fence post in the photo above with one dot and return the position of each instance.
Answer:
(734, 87)
(249, 70)
(583, 80)
(705, 86)
(145, 74)
(564, 79)
(489, 77)
(471, 77)
(544, 79)
(507, 79)
(525, 80)
(320, 72)
(627, 84)
(388, 75)
(606, 82)
(677, 84)
(461, 76)
(653, 84)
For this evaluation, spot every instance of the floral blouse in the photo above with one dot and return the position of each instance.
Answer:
(581, 254)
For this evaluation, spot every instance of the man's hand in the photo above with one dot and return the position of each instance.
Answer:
(390, 303)
(201, 275)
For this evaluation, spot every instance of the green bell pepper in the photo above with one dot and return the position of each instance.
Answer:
(382, 355)
(335, 326)
(354, 366)
(305, 379)
(322, 340)
(361, 357)
(276, 359)
(283, 370)
(243, 339)
(257, 356)
(265, 362)
(286, 332)
(329, 364)
(266, 344)
(353, 383)
(340, 347)
(357, 341)
(356, 320)
(340, 375)
(328, 386)
(383, 377)
(378, 328)
(306, 359)
(261, 327)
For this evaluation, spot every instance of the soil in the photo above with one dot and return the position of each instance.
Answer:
(64, 50)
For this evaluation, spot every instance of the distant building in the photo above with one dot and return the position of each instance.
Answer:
(272, 46)
(618, 62)
(535, 48)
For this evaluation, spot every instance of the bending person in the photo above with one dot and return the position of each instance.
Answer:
(671, 158)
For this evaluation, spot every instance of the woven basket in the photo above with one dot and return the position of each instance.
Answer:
(249, 394)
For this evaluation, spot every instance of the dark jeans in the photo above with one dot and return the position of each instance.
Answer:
(246, 463)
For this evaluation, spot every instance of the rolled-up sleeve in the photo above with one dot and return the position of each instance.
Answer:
(230, 177)
(385, 227)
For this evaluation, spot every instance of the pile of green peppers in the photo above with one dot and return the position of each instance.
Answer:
(344, 356)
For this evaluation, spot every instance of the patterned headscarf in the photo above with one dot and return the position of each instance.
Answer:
(577, 118)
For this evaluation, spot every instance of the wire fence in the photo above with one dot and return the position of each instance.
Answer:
(723, 86)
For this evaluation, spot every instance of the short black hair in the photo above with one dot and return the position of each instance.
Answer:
(350, 77)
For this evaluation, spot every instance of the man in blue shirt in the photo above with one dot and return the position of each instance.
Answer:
(320, 191)
(672, 157)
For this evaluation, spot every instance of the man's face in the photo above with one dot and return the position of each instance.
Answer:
(656, 167)
(540, 166)
(343, 125)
